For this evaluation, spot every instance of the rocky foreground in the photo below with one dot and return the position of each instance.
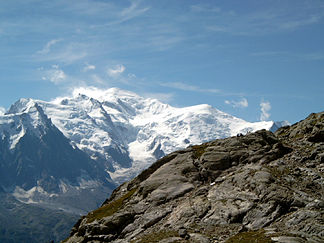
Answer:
(261, 187)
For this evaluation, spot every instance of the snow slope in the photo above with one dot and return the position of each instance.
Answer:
(128, 132)
(124, 131)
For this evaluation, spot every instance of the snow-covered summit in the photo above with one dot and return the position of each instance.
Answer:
(127, 132)
(25, 115)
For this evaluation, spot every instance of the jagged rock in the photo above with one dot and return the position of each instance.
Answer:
(259, 186)
(183, 233)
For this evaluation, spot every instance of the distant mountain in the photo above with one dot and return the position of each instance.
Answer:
(40, 165)
(127, 132)
(53, 154)
(43, 177)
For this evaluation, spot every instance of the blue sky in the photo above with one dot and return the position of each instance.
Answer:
(255, 59)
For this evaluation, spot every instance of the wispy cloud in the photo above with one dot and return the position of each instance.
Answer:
(163, 42)
(89, 67)
(266, 20)
(134, 10)
(243, 103)
(89, 8)
(116, 70)
(268, 53)
(265, 110)
(54, 75)
(47, 48)
(2, 111)
(188, 87)
(293, 24)
(318, 56)
(164, 97)
(66, 54)
(97, 79)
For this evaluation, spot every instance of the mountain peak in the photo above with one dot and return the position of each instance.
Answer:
(23, 105)
(112, 125)
(104, 94)
(99, 121)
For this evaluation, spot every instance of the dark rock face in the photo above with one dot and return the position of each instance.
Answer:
(44, 159)
(42, 179)
(264, 187)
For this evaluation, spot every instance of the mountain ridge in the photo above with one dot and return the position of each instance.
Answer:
(120, 123)
(259, 187)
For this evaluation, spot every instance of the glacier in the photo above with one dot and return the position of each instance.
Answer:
(124, 131)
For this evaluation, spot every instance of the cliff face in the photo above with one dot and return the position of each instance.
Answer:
(262, 186)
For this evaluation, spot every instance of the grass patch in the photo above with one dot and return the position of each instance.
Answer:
(110, 208)
(279, 173)
(149, 171)
(156, 236)
(250, 237)
(198, 150)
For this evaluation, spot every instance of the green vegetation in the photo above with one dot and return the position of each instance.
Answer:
(279, 173)
(199, 150)
(110, 208)
(156, 236)
(250, 237)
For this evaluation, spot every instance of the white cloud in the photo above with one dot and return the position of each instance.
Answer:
(89, 67)
(2, 111)
(131, 76)
(265, 108)
(128, 13)
(188, 87)
(97, 79)
(132, 11)
(47, 48)
(243, 103)
(66, 54)
(164, 97)
(116, 71)
(91, 91)
(55, 75)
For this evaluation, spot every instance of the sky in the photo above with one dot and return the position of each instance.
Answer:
(254, 59)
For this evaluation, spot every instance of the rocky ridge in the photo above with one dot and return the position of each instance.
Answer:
(261, 186)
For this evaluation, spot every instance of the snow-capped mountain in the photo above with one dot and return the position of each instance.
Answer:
(52, 154)
(123, 131)
(39, 165)
(117, 133)
(127, 132)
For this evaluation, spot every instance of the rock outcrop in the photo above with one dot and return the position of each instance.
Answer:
(262, 186)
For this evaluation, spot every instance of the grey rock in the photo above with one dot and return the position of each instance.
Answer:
(183, 233)
(261, 183)
(287, 239)
(198, 238)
